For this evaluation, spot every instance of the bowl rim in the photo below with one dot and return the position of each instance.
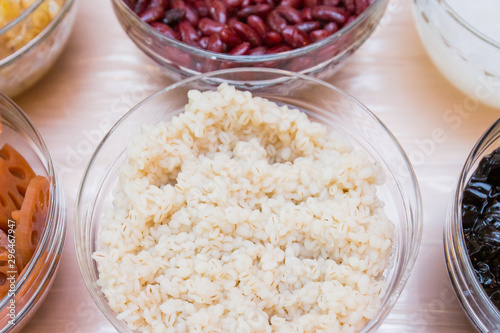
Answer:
(465, 282)
(407, 260)
(377, 6)
(67, 5)
(460, 20)
(56, 219)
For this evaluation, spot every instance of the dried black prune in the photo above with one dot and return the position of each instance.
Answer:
(469, 216)
(481, 223)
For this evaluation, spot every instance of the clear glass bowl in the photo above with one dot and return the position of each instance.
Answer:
(23, 68)
(465, 56)
(180, 60)
(33, 285)
(481, 311)
(322, 102)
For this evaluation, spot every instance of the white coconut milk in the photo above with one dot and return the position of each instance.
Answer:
(469, 61)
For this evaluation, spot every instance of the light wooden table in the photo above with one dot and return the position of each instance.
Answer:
(102, 74)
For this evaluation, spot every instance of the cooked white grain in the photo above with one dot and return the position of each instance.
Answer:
(240, 215)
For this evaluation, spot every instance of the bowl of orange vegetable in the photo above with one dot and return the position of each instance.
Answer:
(33, 34)
(32, 218)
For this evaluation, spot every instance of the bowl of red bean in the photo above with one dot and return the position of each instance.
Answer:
(189, 37)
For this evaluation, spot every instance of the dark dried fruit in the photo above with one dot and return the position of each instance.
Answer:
(174, 16)
(481, 223)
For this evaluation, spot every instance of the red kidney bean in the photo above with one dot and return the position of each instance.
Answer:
(266, 2)
(272, 38)
(350, 5)
(247, 33)
(308, 26)
(218, 11)
(333, 3)
(332, 27)
(174, 16)
(215, 44)
(279, 49)
(259, 50)
(257, 24)
(201, 7)
(203, 42)
(192, 15)
(299, 64)
(159, 3)
(151, 14)
(178, 57)
(227, 65)
(291, 14)
(350, 20)
(230, 37)
(248, 26)
(310, 3)
(260, 9)
(232, 20)
(165, 29)
(291, 3)
(188, 33)
(275, 21)
(294, 37)
(272, 3)
(233, 3)
(140, 6)
(199, 66)
(307, 14)
(209, 27)
(328, 13)
(242, 49)
(319, 34)
(178, 4)
(209, 66)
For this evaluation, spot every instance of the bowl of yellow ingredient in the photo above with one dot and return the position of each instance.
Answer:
(33, 34)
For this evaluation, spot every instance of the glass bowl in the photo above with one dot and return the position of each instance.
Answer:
(465, 56)
(23, 68)
(180, 60)
(34, 283)
(483, 314)
(322, 102)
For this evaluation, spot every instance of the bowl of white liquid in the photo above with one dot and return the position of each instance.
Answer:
(462, 37)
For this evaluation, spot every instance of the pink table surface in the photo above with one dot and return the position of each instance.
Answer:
(102, 74)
